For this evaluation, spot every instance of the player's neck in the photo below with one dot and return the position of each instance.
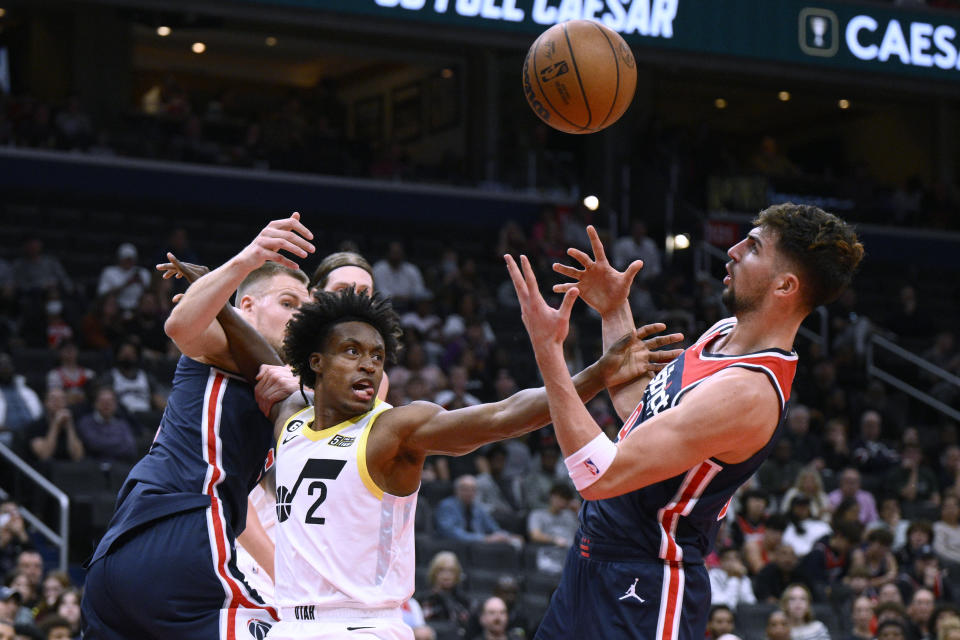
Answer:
(758, 332)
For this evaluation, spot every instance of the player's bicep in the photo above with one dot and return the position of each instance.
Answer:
(440, 432)
(206, 344)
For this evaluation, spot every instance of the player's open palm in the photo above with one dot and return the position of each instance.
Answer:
(547, 326)
(286, 234)
(601, 286)
(638, 355)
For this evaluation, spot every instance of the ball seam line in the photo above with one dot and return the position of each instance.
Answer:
(576, 69)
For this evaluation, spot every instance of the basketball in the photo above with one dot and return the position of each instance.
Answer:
(579, 76)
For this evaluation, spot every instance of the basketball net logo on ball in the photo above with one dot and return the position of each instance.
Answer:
(579, 76)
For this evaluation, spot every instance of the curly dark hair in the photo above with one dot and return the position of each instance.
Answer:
(821, 245)
(308, 329)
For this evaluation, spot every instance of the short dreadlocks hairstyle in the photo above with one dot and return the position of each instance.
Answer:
(822, 246)
(307, 331)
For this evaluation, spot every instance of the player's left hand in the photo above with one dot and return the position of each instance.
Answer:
(634, 355)
(177, 269)
(274, 384)
(547, 326)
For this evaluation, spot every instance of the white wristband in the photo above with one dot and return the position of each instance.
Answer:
(591, 461)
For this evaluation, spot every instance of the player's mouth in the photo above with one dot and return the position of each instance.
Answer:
(727, 278)
(363, 390)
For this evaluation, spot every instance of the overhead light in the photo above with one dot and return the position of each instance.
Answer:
(843, 103)
(784, 96)
(591, 202)
(163, 31)
(446, 73)
(720, 103)
(681, 241)
(198, 47)
(3, 12)
(270, 41)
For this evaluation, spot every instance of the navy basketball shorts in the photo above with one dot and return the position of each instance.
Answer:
(606, 595)
(176, 578)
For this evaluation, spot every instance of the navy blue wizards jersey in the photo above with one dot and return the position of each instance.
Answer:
(212, 446)
(677, 519)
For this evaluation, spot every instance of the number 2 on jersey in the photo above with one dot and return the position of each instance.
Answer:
(318, 471)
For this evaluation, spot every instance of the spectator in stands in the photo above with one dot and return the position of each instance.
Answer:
(850, 488)
(810, 484)
(782, 570)
(828, 562)
(53, 586)
(56, 628)
(796, 603)
(720, 621)
(780, 471)
(554, 526)
(69, 375)
(919, 612)
(126, 280)
(757, 553)
(145, 327)
(497, 493)
(949, 631)
(57, 330)
(73, 125)
(68, 608)
(415, 363)
(102, 326)
(14, 539)
(778, 626)
(7, 630)
(446, 601)
(847, 511)
(835, 451)
(949, 472)
(914, 482)
(891, 630)
(870, 455)
(30, 565)
(890, 593)
(10, 600)
(638, 246)
(459, 517)
(19, 404)
(944, 615)
(749, 523)
(28, 596)
(37, 272)
(136, 390)
(875, 556)
(106, 435)
(457, 396)
(806, 445)
(413, 617)
(862, 617)
(803, 531)
(399, 280)
(536, 486)
(493, 622)
(729, 583)
(919, 535)
(891, 521)
(946, 531)
(54, 435)
(924, 573)
(909, 320)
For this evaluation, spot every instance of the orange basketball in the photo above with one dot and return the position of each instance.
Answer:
(579, 76)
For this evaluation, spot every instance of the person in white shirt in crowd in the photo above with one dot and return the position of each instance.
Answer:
(810, 484)
(136, 390)
(638, 246)
(729, 583)
(456, 396)
(19, 404)
(796, 604)
(554, 525)
(399, 280)
(803, 530)
(946, 530)
(126, 280)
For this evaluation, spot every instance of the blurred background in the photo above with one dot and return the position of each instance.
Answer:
(399, 129)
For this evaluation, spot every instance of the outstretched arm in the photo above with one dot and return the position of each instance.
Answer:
(607, 291)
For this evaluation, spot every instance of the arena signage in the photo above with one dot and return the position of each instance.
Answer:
(833, 34)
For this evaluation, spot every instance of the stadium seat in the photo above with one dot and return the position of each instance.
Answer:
(423, 519)
(447, 630)
(428, 546)
(751, 619)
(79, 478)
(499, 556)
(482, 580)
(535, 605)
(541, 583)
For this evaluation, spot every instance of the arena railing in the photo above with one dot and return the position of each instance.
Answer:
(61, 539)
(887, 348)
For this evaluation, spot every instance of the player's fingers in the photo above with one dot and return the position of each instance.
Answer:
(579, 256)
(177, 298)
(533, 289)
(287, 239)
(634, 269)
(516, 277)
(570, 272)
(662, 341)
(664, 356)
(566, 306)
(650, 329)
(598, 253)
(563, 287)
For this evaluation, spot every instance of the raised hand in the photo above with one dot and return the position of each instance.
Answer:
(177, 269)
(286, 234)
(633, 356)
(274, 384)
(601, 286)
(545, 325)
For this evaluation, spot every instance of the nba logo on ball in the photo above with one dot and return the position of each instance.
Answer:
(579, 76)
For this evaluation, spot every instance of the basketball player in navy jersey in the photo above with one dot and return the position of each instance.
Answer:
(165, 567)
(692, 434)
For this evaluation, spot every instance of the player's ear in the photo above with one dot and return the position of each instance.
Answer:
(788, 284)
(317, 363)
(245, 303)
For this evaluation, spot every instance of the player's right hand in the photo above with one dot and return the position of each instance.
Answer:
(601, 286)
(286, 234)
(274, 384)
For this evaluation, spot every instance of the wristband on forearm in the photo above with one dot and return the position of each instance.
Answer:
(591, 461)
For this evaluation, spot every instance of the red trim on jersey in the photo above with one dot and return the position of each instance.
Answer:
(237, 597)
(669, 611)
(692, 487)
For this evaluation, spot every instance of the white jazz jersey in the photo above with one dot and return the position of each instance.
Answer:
(265, 507)
(341, 541)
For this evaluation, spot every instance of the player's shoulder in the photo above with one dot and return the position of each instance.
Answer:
(415, 411)
(720, 326)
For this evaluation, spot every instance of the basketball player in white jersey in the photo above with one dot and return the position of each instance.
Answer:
(348, 468)
(257, 544)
